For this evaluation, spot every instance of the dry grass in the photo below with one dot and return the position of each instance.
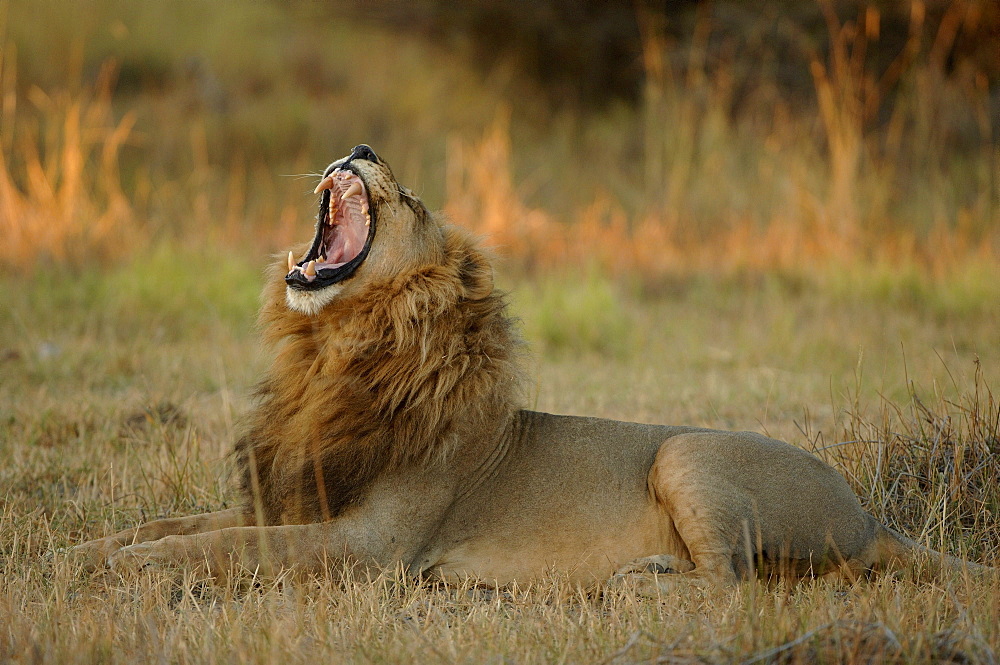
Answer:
(760, 282)
(124, 409)
(390, 619)
(689, 156)
(931, 468)
(61, 199)
(723, 195)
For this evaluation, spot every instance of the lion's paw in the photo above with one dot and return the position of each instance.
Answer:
(166, 554)
(91, 556)
(663, 564)
(136, 557)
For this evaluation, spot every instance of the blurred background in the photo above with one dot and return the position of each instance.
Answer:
(651, 139)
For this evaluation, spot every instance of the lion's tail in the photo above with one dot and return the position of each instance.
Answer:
(894, 551)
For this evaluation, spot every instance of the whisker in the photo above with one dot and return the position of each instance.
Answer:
(301, 175)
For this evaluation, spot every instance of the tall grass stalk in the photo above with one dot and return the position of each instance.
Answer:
(61, 198)
(483, 194)
(823, 188)
(929, 467)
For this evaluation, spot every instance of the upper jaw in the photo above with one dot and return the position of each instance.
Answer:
(345, 227)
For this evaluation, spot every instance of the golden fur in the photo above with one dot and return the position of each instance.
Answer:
(389, 431)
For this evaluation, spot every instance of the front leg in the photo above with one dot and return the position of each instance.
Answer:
(307, 548)
(93, 554)
(395, 523)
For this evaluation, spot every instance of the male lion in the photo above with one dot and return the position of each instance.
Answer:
(389, 430)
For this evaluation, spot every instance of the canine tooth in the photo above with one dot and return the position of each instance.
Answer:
(325, 183)
(353, 190)
(311, 268)
(291, 262)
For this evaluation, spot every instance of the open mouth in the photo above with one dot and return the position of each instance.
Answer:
(345, 227)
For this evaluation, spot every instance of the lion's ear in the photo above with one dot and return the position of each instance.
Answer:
(476, 274)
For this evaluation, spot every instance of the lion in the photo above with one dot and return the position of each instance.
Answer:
(390, 431)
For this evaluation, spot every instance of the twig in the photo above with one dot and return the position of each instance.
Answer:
(789, 645)
(632, 641)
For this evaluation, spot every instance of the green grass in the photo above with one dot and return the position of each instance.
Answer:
(121, 391)
(567, 316)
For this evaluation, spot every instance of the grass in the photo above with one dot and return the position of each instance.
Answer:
(805, 270)
(566, 315)
(65, 205)
(124, 399)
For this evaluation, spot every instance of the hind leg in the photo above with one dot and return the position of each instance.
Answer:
(705, 516)
(654, 576)
(710, 565)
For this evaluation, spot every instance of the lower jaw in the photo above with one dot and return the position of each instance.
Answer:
(310, 302)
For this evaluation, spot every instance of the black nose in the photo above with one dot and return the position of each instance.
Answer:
(363, 152)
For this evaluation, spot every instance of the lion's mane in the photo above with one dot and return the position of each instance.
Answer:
(399, 374)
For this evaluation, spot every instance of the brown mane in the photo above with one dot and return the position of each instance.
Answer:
(391, 376)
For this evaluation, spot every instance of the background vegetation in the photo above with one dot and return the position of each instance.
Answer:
(786, 220)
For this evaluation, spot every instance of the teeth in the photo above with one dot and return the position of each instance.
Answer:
(353, 190)
(325, 183)
(311, 268)
(291, 262)
(368, 219)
